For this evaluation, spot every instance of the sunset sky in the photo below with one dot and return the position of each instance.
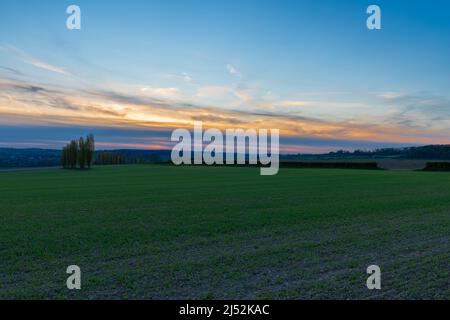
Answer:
(139, 69)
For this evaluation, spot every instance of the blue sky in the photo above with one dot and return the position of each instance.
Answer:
(310, 68)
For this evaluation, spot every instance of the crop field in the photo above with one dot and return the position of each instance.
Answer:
(165, 232)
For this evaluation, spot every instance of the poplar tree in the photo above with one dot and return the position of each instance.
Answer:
(73, 154)
(90, 150)
(81, 153)
(78, 152)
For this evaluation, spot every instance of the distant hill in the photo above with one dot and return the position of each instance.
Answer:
(12, 158)
(430, 152)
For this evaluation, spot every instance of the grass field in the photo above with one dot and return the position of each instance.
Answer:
(224, 232)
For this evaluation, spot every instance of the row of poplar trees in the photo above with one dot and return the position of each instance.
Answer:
(79, 153)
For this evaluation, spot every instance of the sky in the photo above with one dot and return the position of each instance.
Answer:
(137, 70)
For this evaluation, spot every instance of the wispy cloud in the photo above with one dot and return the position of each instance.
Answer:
(184, 76)
(28, 59)
(13, 71)
(35, 103)
(420, 110)
(390, 95)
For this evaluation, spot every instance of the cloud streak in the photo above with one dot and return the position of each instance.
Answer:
(28, 59)
(411, 118)
(26, 103)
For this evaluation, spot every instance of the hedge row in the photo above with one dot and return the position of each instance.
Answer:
(437, 166)
(330, 165)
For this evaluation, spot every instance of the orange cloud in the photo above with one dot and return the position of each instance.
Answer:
(37, 104)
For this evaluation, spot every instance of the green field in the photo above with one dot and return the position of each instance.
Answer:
(162, 232)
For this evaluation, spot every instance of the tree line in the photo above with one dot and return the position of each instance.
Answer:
(78, 153)
(422, 152)
(109, 158)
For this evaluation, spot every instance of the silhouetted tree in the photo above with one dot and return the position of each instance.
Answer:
(81, 153)
(73, 154)
(90, 149)
(108, 158)
(78, 152)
